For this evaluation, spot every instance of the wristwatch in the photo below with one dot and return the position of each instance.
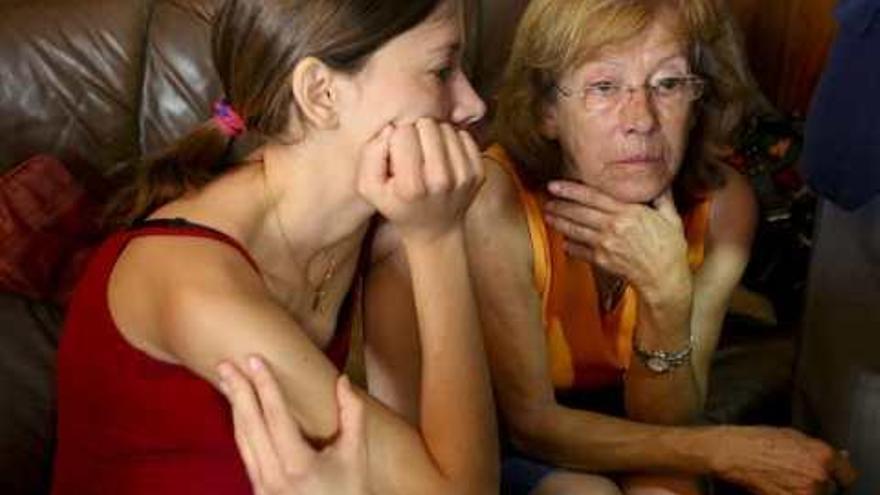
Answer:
(661, 362)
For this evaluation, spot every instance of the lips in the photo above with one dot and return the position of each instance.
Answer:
(638, 160)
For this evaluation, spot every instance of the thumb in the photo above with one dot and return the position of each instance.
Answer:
(665, 205)
(352, 438)
(374, 171)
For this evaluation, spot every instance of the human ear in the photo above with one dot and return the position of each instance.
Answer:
(312, 83)
(549, 126)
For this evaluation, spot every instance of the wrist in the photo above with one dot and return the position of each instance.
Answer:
(711, 447)
(697, 449)
(673, 291)
(421, 240)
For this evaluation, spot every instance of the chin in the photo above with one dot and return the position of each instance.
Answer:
(636, 191)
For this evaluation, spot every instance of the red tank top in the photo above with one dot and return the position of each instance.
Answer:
(129, 424)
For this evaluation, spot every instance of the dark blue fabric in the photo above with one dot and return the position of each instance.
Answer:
(842, 144)
(521, 475)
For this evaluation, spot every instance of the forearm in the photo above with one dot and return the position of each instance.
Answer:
(594, 442)
(664, 324)
(457, 412)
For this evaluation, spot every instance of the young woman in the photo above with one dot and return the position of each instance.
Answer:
(248, 244)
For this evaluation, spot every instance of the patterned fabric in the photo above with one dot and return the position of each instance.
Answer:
(587, 349)
(47, 227)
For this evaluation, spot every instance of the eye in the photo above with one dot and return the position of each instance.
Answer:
(603, 89)
(666, 86)
(443, 74)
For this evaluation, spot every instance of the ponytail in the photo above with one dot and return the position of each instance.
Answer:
(189, 164)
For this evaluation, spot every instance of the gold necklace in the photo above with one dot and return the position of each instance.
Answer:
(319, 290)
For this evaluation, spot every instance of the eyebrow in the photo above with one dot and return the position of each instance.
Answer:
(452, 48)
(618, 62)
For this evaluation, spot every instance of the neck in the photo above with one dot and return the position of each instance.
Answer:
(312, 205)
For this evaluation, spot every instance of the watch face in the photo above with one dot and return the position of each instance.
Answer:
(657, 365)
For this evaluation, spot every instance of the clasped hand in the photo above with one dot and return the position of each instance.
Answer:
(422, 177)
(643, 244)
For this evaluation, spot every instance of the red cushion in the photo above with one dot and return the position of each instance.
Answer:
(47, 226)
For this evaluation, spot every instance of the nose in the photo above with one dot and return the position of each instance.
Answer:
(638, 114)
(467, 106)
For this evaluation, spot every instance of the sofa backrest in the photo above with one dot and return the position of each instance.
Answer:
(103, 82)
(70, 78)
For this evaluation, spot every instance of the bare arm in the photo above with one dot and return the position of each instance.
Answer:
(510, 308)
(197, 314)
(768, 460)
(647, 247)
(208, 316)
(731, 231)
(679, 396)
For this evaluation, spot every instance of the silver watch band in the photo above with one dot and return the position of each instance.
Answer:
(664, 361)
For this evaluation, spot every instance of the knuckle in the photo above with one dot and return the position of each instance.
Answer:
(289, 469)
(410, 194)
(447, 129)
(616, 226)
(274, 484)
(440, 183)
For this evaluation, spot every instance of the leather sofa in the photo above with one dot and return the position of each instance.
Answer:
(98, 83)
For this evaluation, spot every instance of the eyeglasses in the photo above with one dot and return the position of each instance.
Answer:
(668, 92)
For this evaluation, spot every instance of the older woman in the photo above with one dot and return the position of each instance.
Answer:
(605, 245)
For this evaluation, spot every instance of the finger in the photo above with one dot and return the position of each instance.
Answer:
(352, 439)
(374, 170)
(294, 452)
(475, 159)
(241, 441)
(585, 215)
(580, 251)
(573, 230)
(407, 162)
(585, 195)
(251, 432)
(665, 205)
(455, 152)
(437, 173)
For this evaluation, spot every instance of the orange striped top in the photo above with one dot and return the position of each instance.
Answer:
(587, 349)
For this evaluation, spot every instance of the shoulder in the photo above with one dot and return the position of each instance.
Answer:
(163, 286)
(499, 198)
(734, 212)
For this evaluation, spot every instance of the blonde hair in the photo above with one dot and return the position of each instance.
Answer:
(557, 36)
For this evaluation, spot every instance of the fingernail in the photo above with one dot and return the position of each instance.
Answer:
(255, 363)
(554, 187)
(223, 385)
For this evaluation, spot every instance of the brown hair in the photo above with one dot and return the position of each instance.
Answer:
(256, 45)
(555, 36)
